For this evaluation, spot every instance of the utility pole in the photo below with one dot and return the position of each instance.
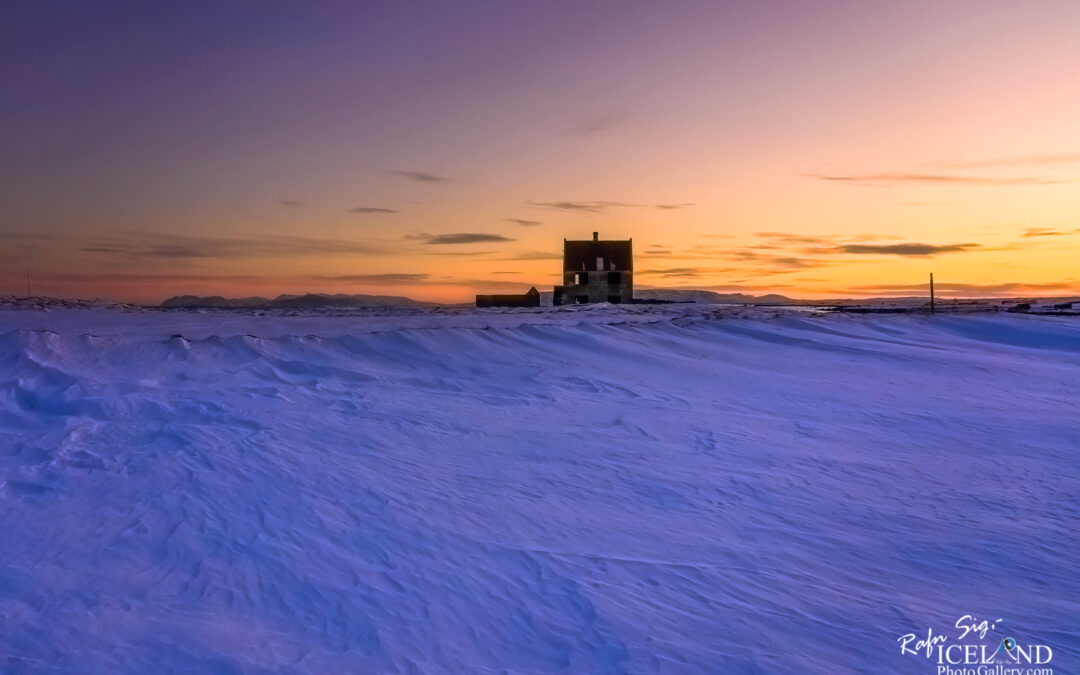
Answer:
(931, 292)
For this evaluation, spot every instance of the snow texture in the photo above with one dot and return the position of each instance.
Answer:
(665, 489)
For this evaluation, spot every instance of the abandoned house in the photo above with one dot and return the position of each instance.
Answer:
(596, 271)
(530, 298)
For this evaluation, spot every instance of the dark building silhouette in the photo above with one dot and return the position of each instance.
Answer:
(596, 271)
(531, 298)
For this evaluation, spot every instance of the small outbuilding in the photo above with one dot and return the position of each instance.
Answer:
(530, 298)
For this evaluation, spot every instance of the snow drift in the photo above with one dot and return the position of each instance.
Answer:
(590, 491)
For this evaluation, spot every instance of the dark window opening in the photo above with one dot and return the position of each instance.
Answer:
(582, 299)
(614, 299)
(614, 278)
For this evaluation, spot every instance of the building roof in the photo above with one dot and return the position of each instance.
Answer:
(582, 255)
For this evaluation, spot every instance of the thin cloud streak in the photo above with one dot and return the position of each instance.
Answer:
(482, 284)
(371, 210)
(684, 271)
(533, 255)
(913, 250)
(789, 238)
(388, 279)
(22, 236)
(1011, 287)
(898, 178)
(459, 238)
(1018, 160)
(420, 176)
(601, 206)
(588, 207)
(598, 124)
(147, 245)
(1045, 232)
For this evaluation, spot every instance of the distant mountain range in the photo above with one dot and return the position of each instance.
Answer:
(710, 297)
(323, 300)
(307, 301)
(316, 300)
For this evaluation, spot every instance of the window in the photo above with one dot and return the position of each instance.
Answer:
(581, 299)
(614, 299)
(599, 264)
(581, 277)
(614, 278)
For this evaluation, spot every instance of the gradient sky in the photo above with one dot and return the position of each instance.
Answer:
(439, 149)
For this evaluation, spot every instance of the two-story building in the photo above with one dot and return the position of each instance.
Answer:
(596, 271)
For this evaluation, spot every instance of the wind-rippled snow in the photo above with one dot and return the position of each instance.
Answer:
(591, 491)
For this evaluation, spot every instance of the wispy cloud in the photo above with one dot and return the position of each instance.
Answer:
(748, 264)
(597, 124)
(290, 202)
(371, 210)
(791, 263)
(138, 279)
(913, 250)
(150, 245)
(1016, 160)
(600, 206)
(459, 238)
(388, 279)
(729, 287)
(1046, 232)
(274, 281)
(18, 247)
(171, 282)
(22, 236)
(420, 176)
(871, 237)
(947, 287)
(690, 272)
(901, 178)
(699, 252)
(789, 238)
(102, 249)
(483, 284)
(589, 207)
(757, 260)
(533, 255)
(524, 223)
(858, 244)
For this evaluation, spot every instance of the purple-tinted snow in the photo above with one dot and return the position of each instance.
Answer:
(576, 491)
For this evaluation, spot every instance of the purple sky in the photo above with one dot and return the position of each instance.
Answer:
(152, 148)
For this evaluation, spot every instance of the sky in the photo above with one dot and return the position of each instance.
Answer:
(438, 149)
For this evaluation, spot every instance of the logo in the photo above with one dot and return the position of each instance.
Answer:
(978, 648)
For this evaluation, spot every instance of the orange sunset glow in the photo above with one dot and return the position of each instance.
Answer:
(840, 150)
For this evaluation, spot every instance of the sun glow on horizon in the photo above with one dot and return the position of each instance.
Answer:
(838, 150)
